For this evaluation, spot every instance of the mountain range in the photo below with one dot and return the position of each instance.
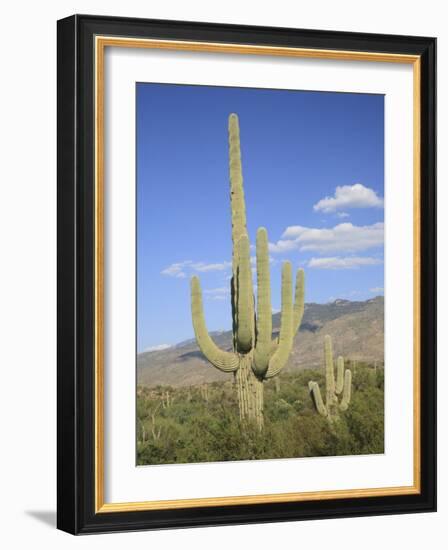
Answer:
(357, 330)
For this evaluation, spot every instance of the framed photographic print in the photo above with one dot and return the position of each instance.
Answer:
(246, 274)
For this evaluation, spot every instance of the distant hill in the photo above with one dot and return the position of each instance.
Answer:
(357, 329)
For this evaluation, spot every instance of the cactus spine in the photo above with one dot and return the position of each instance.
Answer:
(256, 356)
(334, 388)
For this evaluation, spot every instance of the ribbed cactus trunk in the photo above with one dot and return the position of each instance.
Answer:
(256, 356)
(250, 393)
(331, 398)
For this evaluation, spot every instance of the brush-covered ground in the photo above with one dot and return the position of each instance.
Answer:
(201, 423)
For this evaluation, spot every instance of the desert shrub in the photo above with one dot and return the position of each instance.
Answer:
(192, 430)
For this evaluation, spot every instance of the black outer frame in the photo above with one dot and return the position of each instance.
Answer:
(75, 385)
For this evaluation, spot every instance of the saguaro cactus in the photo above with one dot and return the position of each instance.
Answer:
(204, 392)
(334, 388)
(167, 399)
(256, 356)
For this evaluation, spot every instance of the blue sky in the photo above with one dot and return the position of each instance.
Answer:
(313, 168)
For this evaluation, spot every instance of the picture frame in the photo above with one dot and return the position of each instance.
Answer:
(82, 194)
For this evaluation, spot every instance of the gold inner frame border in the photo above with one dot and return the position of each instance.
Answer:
(100, 44)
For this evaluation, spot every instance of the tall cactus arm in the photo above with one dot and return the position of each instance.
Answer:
(299, 306)
(340, 376)
(329, 370)
(222, 360)
(264, 310)
(299, 299)
(236, 187)
(233, 304)
(346, 396)
(285, 342)
(245, 303)
(238, 210)
(317, 398)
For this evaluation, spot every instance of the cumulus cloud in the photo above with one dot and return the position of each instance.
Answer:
(349, 196)
(176, 270)
(344, 237)
(202, 266)
(350, 262)
(179, 270)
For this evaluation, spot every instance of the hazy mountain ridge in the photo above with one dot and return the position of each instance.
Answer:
(357, 329)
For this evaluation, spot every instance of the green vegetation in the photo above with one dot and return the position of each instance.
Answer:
(201, 424)
(256, 357)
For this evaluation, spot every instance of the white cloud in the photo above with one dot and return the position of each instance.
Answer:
(349, 196)
(180, 269)
(176, 270)
(351, 262)
(202, 266)
(342, 214)
(377, 289)
(159, 347)
(344, 237)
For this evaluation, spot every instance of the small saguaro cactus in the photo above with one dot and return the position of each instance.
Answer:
(334, 388)
(256, 356)
(167, 399)
(204, 392)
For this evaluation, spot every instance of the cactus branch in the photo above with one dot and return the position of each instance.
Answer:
(299, 306)
(340, 376)
(245, 304)
(236, 188)
(346, 396)
(299, 299)
(286, 338)
(222, 360)
(317, 398)
(329, 368)
(264, 309)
